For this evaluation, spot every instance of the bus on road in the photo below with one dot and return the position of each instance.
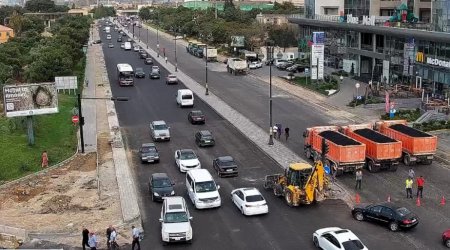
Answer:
(125, 74)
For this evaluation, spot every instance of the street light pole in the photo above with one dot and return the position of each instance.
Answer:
(146, 41)
(206, 71)
(133, 29)
(176, 61)
(269, 56)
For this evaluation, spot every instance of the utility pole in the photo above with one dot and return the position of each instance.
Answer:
(206, 71)
(81, 123)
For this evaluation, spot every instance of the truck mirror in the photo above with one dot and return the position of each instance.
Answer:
(304, 134)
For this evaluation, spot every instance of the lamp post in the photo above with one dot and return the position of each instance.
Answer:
(176, 59)
(157, 34)
(139, 38)
(206, 71)
(269, 50)
(146, 41)
(120, 99)
(134, 24)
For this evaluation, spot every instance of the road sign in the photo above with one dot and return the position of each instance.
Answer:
(357, 85)
(75, 119)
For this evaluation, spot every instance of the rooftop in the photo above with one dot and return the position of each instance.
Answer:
(4, 28)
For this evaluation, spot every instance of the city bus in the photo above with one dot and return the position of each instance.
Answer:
(125, 74)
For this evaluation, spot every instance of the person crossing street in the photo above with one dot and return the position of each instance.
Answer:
(408, 184)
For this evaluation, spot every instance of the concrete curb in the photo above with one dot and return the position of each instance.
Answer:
(20, 233)
(41, 172)
(278, 152)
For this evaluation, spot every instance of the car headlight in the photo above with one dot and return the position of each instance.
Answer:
(173, 192)
(155, 194)
(182, 165)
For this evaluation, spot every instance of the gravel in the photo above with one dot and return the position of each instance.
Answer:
(373, 135)
(338, 138)
(409, 131)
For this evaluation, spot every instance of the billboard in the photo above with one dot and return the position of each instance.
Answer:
(66, 82)
(317, 60)
(318, 37)
(30, 99)
(237, 41)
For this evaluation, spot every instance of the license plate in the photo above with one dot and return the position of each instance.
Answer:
(430, 157)
(162, 138)
(207, 141)
(229, 170)
(177, 238)
(150, 160)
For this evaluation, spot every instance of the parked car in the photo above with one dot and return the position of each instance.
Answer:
(225, 166)
(143, 55)
(196, 116)
(148, 60)
(249, 201)
(155, 74)
(186, 160)
(393, 216)
(119, 39)
(446, 238)
(278, 62)
(148, 153)
(296, 68)
(284, 65)
(160, 186)
(139, 73)
(122, 45)
(110, 45)
(171, 79)
(255, 65)
(159, 131)
(97, 41)
(204, 138)
(335, 238)
(108, 37)
(175, 220)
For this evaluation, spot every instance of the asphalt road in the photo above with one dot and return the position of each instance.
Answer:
(225, 227)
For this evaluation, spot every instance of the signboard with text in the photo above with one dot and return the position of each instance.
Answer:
(237, 41)
(30, 99)
(317, 61)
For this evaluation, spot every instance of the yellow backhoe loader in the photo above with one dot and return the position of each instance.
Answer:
(301, 183)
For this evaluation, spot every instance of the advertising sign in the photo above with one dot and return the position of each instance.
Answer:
(30, 99)
(237, 41)
(318, 37)
(408, 57)
(317, 60)
(66, 82)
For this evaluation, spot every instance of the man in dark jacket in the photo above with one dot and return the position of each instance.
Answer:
(108, 235)
(85, 234)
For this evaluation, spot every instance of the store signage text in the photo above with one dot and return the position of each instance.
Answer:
(366, 20)
(438, 62)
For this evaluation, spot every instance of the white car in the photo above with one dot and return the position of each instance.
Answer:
(186, 159)
(334, 238)
(156, 68)
(175, 220)
(255, 65)
(249, 201)
(108, 37)
(136, 48)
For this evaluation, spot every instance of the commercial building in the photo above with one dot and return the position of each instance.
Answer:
(374, 51)
(440, 18)
(5, 33)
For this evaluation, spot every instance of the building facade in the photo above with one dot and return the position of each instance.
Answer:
(5, 33)
(441, 15)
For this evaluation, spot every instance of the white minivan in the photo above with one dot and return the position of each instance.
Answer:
(185, 97)
(202, 189)
(127, 46)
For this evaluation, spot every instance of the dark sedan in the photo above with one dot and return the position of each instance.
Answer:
(225, 166)
(148, 60)
(142, 55)
(160, 186)
(446, 238)
(148, 153)
(204, 138)
(119, 39)
(393, 216)
(139, 73)
(155, 74)
(196, 116)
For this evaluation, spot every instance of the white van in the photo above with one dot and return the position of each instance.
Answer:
(202, 189)
(185, 97)
(175, 220)
(127, 46)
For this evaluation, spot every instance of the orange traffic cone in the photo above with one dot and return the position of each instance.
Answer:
(389, 199)
(418, 202)
(357, 198)
(442, 201)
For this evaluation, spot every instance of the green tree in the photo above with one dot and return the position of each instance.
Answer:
(40, 6)
(16, 22)
(33, 23)
(102, 11)
(6, 72)
(49, 62)
(7, 11)
(283, 36)
(145, 13)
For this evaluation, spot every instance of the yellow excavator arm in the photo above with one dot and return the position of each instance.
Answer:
(315, 185)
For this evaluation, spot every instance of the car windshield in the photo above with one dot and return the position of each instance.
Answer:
(206, 186)
(188, 156)
(176, 217)
(254, 198)
(148, 149)
(161, 183)
(160, 127)
(172, 77)
(196, 113)
(227, 163)
(139, 70)
(353, 245)
(403, 211)
(155, 67)
(148, 59)
(207, 137)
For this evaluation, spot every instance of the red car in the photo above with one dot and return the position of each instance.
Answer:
(446, 238)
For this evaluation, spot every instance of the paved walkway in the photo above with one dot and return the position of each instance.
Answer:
(278, 152)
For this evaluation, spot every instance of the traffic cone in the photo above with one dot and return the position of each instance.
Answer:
(442, 201)
(418, 202)
(357, 198)
(389, 198)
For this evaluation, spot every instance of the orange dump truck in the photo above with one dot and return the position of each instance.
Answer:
(382, 152)
(417, 146)
(344, 153)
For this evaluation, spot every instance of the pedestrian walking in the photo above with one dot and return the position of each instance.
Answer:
(135, 235)
(165, 58)
(113, 239)
(286, 133)
(85, 234)
(108, 235)
(92, 241)
(408, 185)
(420, 183)
(279, 130)
(358, 179)
(44, 159)
(274, 131)
(411, 173)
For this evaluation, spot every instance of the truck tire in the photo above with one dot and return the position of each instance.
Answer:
(372, 167)
(407, 160)
(277, 190)
(289, 197)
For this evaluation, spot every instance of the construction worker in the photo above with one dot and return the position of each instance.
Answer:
(420, 183)
(408, 185)
(358, 179)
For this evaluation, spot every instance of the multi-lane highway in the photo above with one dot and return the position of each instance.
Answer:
(225, 227)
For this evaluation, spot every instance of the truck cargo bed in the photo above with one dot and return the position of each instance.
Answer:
(409, 131)
(374, 136)
(338, 138)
